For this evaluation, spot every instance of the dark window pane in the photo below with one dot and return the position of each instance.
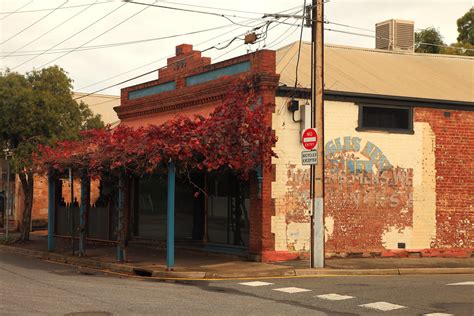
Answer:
(385, 118)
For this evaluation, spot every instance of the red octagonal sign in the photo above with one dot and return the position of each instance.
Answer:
(310, 138)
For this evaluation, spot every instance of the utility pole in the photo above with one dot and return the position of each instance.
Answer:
(316, 21)
(317, 122)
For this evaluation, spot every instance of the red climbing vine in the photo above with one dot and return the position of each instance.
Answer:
(237, 135)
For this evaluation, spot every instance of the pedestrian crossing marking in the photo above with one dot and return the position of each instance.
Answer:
(334, 297)
(382, 306)
(462, 283)
(291, 290)
(438, 314)
(255, 283)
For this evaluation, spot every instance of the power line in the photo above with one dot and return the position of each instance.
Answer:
(227, 16)
(374, 36)
(349, 26)
(163, 58)
(299, 47)
(118, 75)
(71, 36)
(109, 45)
(224, 9)
(101, 34)
(41, 10)
(83, 48)
(277, 40)
(387, 39)
(213, 8)
(155, 70)
(32, 24)
(17, 10)
(49, 31)
(157, 60)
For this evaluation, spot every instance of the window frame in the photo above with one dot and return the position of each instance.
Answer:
(361, 128)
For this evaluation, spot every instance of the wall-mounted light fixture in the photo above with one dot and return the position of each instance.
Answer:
(293, 106)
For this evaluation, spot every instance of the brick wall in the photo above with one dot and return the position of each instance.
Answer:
(201, 99)
(384, 191)
(454, 148)
(40, 197)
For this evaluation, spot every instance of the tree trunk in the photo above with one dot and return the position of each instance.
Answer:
(26, 179)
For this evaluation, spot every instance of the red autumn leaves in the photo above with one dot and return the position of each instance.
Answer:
(237, 136)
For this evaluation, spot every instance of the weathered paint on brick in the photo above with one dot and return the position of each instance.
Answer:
(454, 164)
(382, 189)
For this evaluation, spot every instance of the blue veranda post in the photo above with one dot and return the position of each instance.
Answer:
(170, 217)
(51, 208)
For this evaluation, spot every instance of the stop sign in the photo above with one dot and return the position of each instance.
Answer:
(310, 138)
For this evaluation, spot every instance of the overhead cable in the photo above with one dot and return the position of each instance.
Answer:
(33, 24)
(373, 36)
(299, 47)
(227, 16)
(163, 58)
(96, 37)
(158, 60)
(109, 45)
(71, 36)
(7, 14)
(152, 71)
(50, 30)
(50, 9)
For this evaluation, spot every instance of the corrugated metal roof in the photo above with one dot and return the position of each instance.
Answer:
(372, 71)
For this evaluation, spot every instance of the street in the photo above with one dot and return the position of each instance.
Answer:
(30, 286)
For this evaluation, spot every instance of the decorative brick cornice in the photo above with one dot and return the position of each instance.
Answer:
(173, 107)
(207, 93)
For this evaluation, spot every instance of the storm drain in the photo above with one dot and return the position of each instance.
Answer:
(143, 272)
(89, 313)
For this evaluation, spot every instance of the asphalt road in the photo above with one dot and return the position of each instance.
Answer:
(33, 287)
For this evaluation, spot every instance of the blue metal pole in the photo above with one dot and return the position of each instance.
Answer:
(120, 234)
(170, 222)
(51, 209)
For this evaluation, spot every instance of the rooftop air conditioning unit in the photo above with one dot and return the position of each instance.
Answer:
(395, 35)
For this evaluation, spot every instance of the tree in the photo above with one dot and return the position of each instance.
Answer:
(37, 109)
(465, 49)
(233, 137)
(427, 36)
(466, 28)
(88, 118)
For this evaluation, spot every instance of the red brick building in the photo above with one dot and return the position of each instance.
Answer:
(399, 147)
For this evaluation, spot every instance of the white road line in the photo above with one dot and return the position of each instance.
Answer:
(462, 283)
(291, 290)
(382, 306)
(334, 297)
(256, 283)
(438, 314)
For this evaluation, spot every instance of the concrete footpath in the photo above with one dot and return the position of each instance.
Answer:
(150, 261)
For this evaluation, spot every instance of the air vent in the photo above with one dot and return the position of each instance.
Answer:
(395, 35)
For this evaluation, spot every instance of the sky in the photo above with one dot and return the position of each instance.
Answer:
(66, 33)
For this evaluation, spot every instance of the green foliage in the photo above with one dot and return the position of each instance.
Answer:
(431, 36)
(38, 108)
(88, 118)
(464, 49)
(466, 28)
